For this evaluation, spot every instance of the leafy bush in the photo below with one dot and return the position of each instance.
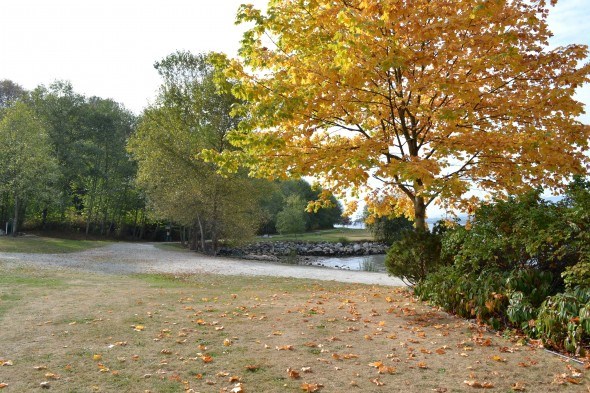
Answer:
(388, 230)
(563, 320)
(490, 296)
(415, 255)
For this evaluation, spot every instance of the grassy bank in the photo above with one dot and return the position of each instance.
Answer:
(159, 333)
(45, 245)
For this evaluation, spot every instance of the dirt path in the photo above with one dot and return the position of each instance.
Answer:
(129, 258)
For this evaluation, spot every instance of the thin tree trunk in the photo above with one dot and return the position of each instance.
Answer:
(15, 222)
(202, 233)
(90, 207)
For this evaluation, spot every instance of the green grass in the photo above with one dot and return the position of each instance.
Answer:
(16, 284)
(46, 245)
(328, 235)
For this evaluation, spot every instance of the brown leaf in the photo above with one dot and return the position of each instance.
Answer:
(206, 359)
(377, 382)
(293, 374)
(234, 378)
(238, 388)
(285, 348)
(497, 358)
(518, 387)
(3, 385)
(480, 385)
(311, 387)
(252, 367)
(386, 370)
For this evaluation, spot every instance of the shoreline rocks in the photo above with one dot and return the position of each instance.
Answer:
(301, 248)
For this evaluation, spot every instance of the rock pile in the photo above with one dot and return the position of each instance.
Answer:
(283, 248)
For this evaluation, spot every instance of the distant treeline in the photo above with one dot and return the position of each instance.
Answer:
(66, 166)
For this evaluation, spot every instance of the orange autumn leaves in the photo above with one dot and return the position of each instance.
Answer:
(428, 99)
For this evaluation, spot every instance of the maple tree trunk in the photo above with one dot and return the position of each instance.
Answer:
(419, 214)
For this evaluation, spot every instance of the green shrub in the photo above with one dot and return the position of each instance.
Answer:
(500, 299)
(415, 255)
(389, 229)
(563, 320)
(510, 269)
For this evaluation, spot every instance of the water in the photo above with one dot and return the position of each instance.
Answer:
(370, 263)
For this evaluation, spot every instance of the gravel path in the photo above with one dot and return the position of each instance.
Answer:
(128, 258)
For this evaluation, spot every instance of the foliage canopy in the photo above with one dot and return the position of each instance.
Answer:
(430, 98)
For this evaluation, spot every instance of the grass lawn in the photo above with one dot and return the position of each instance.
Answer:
(158, 333)
(329, 235)
(45, 245)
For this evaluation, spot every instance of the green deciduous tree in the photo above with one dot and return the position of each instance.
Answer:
(28, 169)
(291, 219)
(191, 116)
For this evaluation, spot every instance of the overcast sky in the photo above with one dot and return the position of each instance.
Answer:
(107, 48)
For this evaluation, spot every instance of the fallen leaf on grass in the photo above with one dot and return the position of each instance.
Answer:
(51, 376)
(238, 388)
(480, 385)
(138, 328)
(285, 348)
(227, 342)
(40, 367)
(5, 362)
(3, 385)
(497, 358)
(166, 352)
(252, 367)
(422, 365)
(311, 387)
(206, 359)
(293, 374)
(377, 382)
(575, 372)
(234, 378)
(306, 369)
(386, 370)
(518, 387)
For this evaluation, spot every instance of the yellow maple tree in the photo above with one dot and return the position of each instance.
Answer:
(430, 97)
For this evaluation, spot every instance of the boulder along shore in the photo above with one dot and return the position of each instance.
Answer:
(274, 250)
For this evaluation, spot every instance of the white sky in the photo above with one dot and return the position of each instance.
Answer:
(107, 48)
